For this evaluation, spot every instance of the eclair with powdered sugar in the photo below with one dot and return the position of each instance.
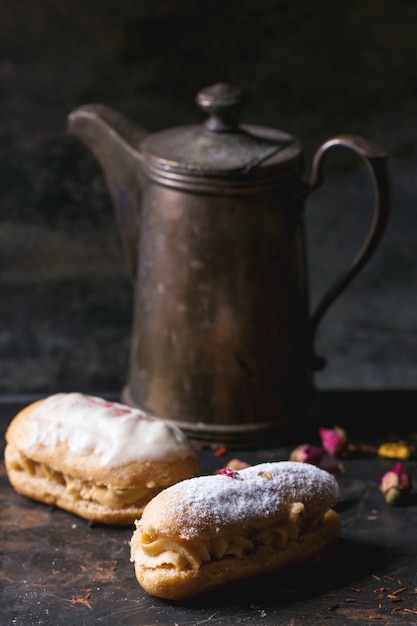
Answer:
(209, 531)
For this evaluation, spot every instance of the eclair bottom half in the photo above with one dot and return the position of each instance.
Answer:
(162, 575)
(96, 502)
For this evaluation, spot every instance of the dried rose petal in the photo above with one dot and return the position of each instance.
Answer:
(307, 454)
(266, 475)
(395, 483)
(333, 439)
(221, 451)
(395, 450)
(231, 473)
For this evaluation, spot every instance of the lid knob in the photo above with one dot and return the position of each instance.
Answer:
(221, 102)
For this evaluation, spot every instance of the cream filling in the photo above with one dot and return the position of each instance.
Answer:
(163, 552)
(106, 495)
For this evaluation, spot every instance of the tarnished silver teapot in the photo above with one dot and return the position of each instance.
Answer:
(211, 219)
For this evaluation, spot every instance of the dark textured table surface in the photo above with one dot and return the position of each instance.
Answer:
(57, 569)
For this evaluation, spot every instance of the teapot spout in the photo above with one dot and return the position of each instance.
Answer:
(114, 141)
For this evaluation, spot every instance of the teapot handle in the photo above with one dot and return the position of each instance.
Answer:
(375, 159)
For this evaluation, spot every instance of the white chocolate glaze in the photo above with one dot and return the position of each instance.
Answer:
(92, 425)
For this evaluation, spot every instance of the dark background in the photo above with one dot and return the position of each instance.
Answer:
(313, 69)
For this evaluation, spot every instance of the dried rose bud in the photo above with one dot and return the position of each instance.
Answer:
(237, 464)
(333, 439)
(307, 454)
(395, 484)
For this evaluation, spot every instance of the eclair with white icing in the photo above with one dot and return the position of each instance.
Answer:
(210, 531)
(101, 460)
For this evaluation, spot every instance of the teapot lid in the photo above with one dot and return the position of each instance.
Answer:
(221, 152)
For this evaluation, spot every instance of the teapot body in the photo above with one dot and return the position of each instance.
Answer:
(211, 220)
(221, 312)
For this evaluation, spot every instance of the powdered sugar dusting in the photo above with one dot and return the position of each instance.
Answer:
(256, 492)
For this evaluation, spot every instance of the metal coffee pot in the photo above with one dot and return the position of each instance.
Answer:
(211, 219)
